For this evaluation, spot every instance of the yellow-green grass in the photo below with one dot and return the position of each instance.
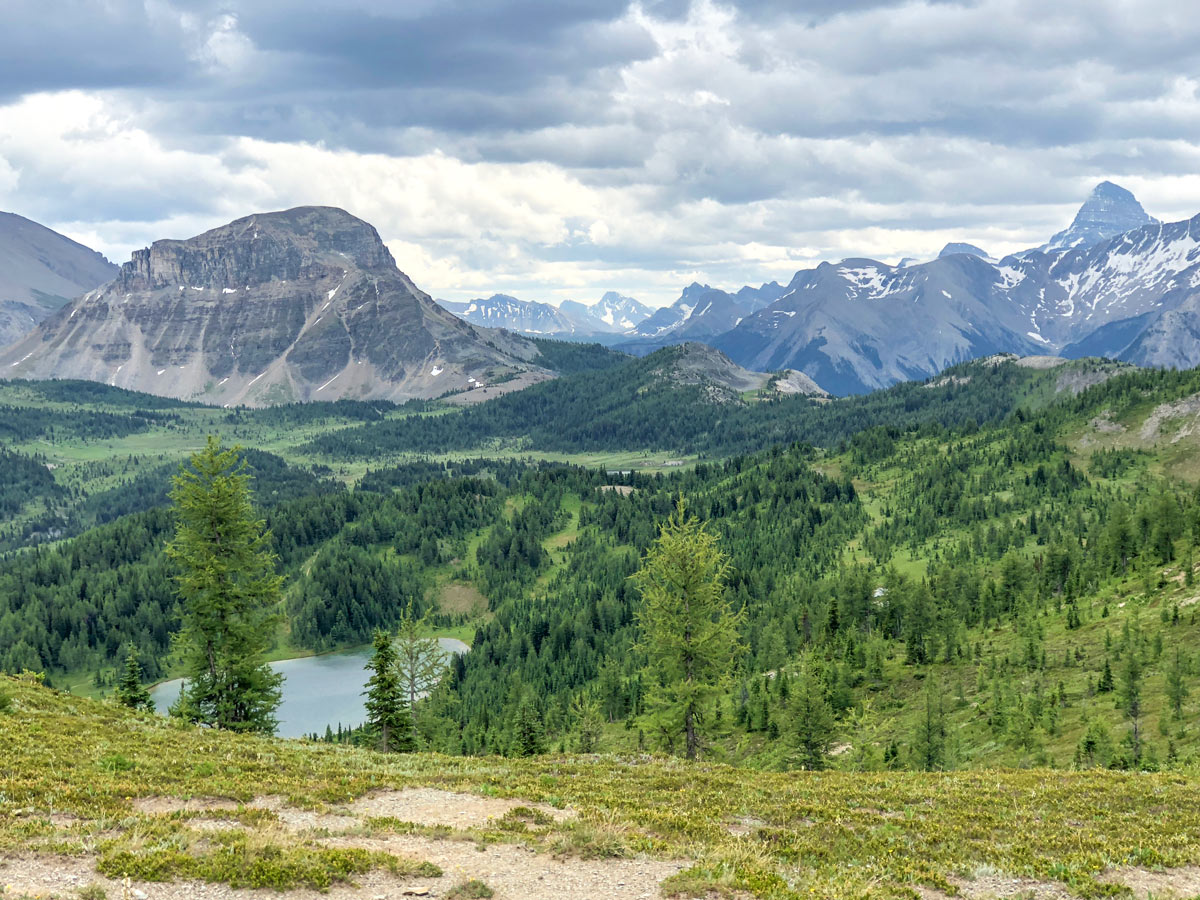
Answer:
(831, 834)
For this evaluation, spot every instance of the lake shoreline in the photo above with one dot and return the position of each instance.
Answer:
(320, 691)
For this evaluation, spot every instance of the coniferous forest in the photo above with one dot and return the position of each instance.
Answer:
(993, 567)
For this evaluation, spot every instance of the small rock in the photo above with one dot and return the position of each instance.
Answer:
(138, 894)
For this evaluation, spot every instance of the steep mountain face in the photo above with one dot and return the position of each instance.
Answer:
(715, 313)
(1071, 295)
(863, 324)
(40, 271)
(503, 311)
(305, 304)
(666, 318)
(1109, 210)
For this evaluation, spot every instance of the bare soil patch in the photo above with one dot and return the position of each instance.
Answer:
(429, 806)
(998, 887)
(517, 873)
(744, 826)
(289, 817)
(155, 806)
(1182, 882)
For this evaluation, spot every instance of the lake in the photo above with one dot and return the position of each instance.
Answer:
(317, 690)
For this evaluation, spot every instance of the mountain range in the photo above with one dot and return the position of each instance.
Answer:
(1116, 282)
(309, 304)
(305, 304)
(613, 313)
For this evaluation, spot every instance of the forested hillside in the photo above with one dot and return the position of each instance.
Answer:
(986, 568)
(639, 405)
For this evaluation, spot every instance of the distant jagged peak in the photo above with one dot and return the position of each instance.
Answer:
(616, 297)
(955, 247)
(1109, 210)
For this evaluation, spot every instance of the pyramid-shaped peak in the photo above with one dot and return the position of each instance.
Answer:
(1109, 210)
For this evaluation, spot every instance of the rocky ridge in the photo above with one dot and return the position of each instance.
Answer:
(304, 304)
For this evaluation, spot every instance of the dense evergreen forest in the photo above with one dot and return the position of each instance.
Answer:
(640, 404)
(987, 568)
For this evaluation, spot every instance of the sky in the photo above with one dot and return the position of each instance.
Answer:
(557, 149)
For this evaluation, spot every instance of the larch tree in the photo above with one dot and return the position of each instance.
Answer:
(230, 592)
(689, 634)
(420, 662)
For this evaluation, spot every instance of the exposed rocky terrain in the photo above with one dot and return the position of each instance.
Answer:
(306, 304)
(696, 363)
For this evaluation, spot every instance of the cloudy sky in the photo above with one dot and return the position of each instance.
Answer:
(561, 148)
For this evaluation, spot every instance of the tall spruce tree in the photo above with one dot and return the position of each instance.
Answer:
(388, 719)
(528, 732)
(130, 690)
(689, 635)
(1131, 701)
(229, 590)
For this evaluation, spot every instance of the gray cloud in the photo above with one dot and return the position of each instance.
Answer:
(649, 140)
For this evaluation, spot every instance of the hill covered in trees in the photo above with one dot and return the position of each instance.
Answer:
(931, 592)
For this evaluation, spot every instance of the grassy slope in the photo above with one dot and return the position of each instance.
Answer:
(835, 835)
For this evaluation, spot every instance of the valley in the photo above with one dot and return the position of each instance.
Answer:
(892, 523)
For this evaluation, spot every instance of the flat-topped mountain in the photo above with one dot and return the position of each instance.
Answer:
(305, 304)
(40, 270)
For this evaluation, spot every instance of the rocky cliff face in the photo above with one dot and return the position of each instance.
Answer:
(40, 270)
(305, 304)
